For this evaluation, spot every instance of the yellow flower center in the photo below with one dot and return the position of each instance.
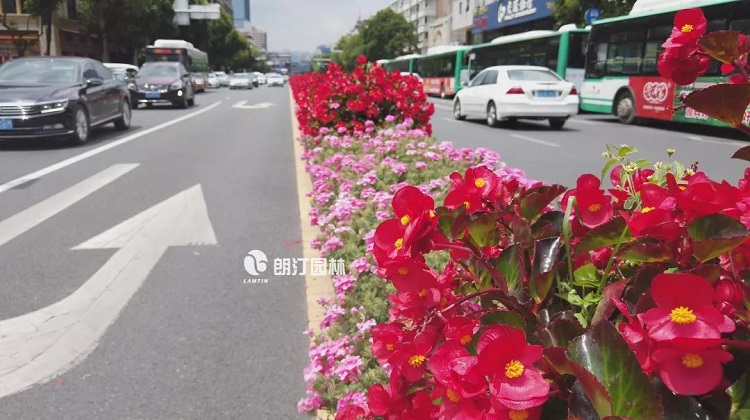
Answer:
(479, 182)
(692, 361)
(399, 243)
(514, 369)
(686, 28)
(389, 346)
(518, 414)
(682, 187)
(646, 210)
(416, 360)
(616, 200)
(405, 220)
(423, 293)
(452, 395)
(403, 271)
(595, 207)
(682, 315)
(466, 203)
(465, 340)
(432, 214)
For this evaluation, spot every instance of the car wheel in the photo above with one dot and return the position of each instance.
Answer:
(183, 103)
(135, 105)
(625, 108)
(149, 105)
(492, 115)
(123, 123)
(191, 101)
(82, 127)
(457, 111)
(557, 123)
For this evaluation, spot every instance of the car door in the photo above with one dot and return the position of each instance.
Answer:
(112, 91)
(486, 90)
(187, 81)
(469, 100)
(94, 94)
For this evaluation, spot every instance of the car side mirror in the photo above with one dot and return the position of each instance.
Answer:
(94, 82)
(465, 83)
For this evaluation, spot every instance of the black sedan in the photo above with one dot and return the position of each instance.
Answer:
(46, 97)
(163, 82)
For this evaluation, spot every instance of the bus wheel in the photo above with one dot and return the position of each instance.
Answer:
(625, 108)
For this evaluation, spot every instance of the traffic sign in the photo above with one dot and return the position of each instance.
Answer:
(592, 15)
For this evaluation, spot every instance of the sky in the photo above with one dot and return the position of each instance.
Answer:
(302, 25)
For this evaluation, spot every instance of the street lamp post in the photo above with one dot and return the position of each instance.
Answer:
(184, 12)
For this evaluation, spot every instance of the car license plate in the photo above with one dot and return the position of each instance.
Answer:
(153, 95)
(6, 124)
(546, 93)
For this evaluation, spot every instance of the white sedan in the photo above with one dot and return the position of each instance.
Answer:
(241, 81)
(507, 93)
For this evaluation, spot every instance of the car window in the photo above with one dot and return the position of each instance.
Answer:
(104, 73)
(89, 72)
(159, 71)
(490, 78)
(477, 81)
(183, 70)
(533, 75)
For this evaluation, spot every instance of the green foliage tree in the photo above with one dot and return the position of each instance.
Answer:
(573, 11)
(44, 9)
(348, 48)
(387, 34)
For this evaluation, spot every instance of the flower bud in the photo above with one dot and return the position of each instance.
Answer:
(601, 257)
(729, 291)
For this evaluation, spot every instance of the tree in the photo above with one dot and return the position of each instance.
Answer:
(574, 11)
(387, 34)
(348, 48)
(44, 9)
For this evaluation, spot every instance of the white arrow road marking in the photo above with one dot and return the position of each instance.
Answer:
(93, 152)
(41, 345)
(20, 223)
(243, 105)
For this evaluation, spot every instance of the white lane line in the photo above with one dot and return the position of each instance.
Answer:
(582, 121)
(722, 142)
(93, 152)
(533, 140)
(17, 224)
(451, 120)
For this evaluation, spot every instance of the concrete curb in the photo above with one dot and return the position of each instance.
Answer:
(316, 286)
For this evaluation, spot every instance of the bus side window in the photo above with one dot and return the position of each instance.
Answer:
(742, 25)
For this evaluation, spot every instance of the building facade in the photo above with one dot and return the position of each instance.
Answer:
(422, 14)
(226, 5)
(462, 19)
(257, 37)
(22, 34)
(241, 13)
(506, 17)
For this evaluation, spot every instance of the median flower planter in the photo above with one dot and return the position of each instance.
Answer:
(509, 299)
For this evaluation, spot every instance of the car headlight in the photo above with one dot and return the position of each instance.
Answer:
(132, 86)
(52, 107)
(176, 85)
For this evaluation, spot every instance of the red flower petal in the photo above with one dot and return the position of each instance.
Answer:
(527, 391)
(670, 291)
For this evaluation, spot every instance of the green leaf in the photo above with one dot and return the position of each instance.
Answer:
(533, 201)
(586, 275)
(483, 230)
(608, 234)
(625, 150)
(645, 250)
(724, 102)
(511, 265)
(589, 399)
(603, 352)
(561, 331)
(676, 407)
(609, 165)
(558, 359)
(714, 235)
(606, 308)
(740, 393)
(504, 318)
(546, 257)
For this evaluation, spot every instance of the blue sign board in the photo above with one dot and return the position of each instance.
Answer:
(511, 12)
(592, 15)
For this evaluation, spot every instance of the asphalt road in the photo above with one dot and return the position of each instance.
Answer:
(194, 341)
(561, 156)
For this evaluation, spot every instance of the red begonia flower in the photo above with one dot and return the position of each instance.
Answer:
(636, 336)
(460, 329)
(594, 206)
(409, 203)
(410, 275)
(655, 222)
(683, 64)
(411, 357)
(352, 412)
(691, 372)
(689, 26)
(454, 368)
(504, 413)
(471, 190)
(385, 339)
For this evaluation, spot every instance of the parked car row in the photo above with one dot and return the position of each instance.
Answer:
(243, 80)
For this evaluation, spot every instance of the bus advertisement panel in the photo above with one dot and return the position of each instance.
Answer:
(441, 70)
(561, 51)
(621, 76)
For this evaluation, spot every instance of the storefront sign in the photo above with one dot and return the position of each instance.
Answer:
(510, 12)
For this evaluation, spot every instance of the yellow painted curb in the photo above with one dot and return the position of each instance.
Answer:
(315, 286)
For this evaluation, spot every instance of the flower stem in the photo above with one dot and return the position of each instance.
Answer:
(611, 261)
(737, 344)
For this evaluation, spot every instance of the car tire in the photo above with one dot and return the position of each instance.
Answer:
(82, 128)
(625, 108)
(491, 114)
(135, 105)
(149, 105)
(183, 104)
(457, 110)
(191, 101)
(557, 123)
(123, 123)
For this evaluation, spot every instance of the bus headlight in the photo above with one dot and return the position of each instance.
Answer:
(176, 85)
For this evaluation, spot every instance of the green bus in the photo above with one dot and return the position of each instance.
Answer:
(621, 76)
(441, 69)
(562, 51)
(403, 64)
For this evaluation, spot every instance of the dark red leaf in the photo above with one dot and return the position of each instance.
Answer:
(722, 45)
(724, 102)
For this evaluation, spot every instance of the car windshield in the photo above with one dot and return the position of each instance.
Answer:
(240, 76)
(159, 71)
(533, 75)
(39, 72)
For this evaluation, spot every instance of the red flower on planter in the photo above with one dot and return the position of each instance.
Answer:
(389, 401)
(504, 413)
(505, 355)
(361, 60)
(411, 357)
(409, 203)
(636, 336)
(385, 339)
(683, 64)
(684, 310)
(352, 412)
(693, 371)
(460, 329)
(655, 222)
(410, 275)
(594, 206)
(689, 26)
(472, 190)
(457, 371)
